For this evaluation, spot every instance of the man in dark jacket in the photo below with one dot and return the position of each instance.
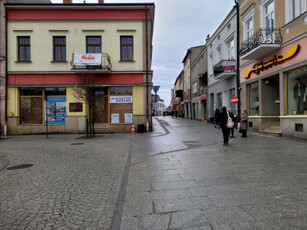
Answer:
(223, 117)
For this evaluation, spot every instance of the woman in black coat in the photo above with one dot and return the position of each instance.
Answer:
(223, 122)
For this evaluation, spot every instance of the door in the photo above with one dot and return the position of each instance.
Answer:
(100, 109)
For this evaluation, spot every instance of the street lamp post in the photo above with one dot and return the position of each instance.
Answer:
(238, 57)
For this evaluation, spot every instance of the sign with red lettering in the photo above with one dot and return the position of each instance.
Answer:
(234, 100)
(87, 59)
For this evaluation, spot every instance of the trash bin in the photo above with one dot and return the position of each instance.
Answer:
(140, 128)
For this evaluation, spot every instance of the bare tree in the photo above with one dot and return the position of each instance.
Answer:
(86, 93)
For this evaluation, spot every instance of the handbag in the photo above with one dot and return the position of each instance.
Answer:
(229, 123)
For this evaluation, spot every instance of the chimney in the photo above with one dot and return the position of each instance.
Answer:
(67, 1)
(100, 1)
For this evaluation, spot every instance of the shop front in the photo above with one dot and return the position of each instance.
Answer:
(274, 91)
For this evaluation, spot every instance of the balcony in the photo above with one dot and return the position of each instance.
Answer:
(262, 43)
(224, 69)
(91, 63)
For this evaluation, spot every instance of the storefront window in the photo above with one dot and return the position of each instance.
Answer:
(31, 105)
(297, 91)
(121, 90)
(253, 93)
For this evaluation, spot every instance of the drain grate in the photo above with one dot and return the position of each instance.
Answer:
(77, 143)
(22, 166)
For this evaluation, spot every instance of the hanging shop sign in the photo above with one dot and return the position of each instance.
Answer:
(120, 99)
(277, 60)
(203, 97)
(56, 110)
(87, 59)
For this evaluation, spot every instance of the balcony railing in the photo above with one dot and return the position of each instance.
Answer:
(224, 68)
(269, 38)
(100, 62)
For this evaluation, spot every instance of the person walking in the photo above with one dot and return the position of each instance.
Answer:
(231, 131)
(216, 118)
(243, 122)
(223, 117)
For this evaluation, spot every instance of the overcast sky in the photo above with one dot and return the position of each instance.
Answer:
(179, 25)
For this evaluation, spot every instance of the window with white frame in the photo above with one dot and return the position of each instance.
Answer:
(295, 8)
(231, 49)
(195, 84)
(248, 24)
(219, 54)
(269, 17)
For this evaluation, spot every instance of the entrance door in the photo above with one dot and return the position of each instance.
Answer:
(270, 96)
(100, 109)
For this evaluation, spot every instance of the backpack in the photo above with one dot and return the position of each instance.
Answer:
(229, 123)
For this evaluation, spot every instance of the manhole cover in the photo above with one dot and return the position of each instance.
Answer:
(77, 143)
(20, 166)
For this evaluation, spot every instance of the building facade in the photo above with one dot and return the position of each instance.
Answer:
(179, 103)
(274, 65)
(199, 82)
(62, 56)
(221, 48)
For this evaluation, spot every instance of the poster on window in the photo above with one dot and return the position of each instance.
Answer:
(115, 118)
(120, 99)
(56, 110)
(128, 117)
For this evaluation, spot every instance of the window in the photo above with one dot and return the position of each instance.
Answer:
(294, 8)
(297, 91)
(219, 54)
(93, 44)
(31, 105)
(121, 90)
(231, 49)
(32, 109)
(269, 17)
(126, 44)
(121, 112)
(253, 99)
(24, 51)
(219, 101)
(195, 85)
(59, 49)
(249, 29)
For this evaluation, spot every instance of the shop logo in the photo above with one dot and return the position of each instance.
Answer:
(262, 66)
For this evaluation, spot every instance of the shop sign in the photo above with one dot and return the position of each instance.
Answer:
(234, 100)
(75, 107)
(87, 59)
(120, 99)
(277, 60)
(114, 117)
(128, 117)
(56, 110)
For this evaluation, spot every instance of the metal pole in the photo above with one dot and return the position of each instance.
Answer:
(238, 57)
(146, 50)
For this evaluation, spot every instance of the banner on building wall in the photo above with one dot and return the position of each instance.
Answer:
(120, 99)
(56, 110)
(87, 59)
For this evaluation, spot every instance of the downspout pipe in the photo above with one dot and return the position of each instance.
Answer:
(238, 57)
(6, 75)
(147, 61)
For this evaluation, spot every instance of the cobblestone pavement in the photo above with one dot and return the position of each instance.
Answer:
(185, 178)
(68, 187)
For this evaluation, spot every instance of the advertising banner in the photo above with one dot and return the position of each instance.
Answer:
(56, 110)
(87, 59)
(121, 99)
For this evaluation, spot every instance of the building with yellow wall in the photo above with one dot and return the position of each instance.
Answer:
(57, 49)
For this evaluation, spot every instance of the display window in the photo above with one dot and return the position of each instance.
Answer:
(297, 91)
(121, 104)
(253, 99)
(38, 103)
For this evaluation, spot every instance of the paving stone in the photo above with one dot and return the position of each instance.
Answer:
(154, 222)
(188, 219)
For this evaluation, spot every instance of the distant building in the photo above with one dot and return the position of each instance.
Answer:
(222, 65)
